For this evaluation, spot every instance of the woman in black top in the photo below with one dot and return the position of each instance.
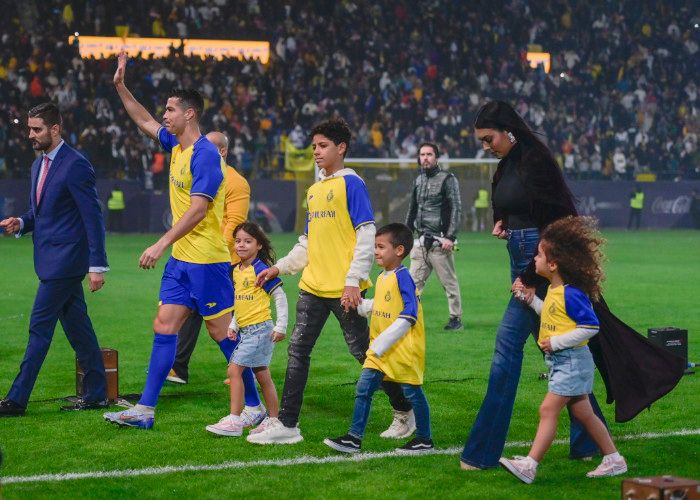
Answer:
(528, 193)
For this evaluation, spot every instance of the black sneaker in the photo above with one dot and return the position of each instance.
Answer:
(346, 443)
(9, 408)
(454, 324)
(417, 445)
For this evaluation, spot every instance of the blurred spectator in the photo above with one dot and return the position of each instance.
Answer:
(623, 76)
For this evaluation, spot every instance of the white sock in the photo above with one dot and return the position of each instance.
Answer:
(613, 456)
(532, 461)
(234, 417)
(146, 410)
(256, 409)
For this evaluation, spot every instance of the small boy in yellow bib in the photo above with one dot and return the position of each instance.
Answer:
(397, 343)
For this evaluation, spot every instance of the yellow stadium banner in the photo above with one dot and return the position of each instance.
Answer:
(106, 46)
(220, 49)
(101, 47)
(298, 160)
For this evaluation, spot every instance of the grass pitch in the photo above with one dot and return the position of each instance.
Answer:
(651, 282)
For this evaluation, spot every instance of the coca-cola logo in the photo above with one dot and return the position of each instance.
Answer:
(671, 206)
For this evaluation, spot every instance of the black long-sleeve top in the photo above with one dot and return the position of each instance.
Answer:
(545, 195)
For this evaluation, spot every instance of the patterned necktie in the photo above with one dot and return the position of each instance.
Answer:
(44, 173)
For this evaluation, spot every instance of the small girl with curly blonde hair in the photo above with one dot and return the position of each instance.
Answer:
(569, 257)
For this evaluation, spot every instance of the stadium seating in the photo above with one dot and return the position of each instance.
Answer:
(620, 99)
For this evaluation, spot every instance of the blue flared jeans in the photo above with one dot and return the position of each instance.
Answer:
(488, 435)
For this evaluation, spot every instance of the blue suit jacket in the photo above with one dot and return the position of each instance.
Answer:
(69, 232)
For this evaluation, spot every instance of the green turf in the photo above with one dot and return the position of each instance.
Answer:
(651, 282)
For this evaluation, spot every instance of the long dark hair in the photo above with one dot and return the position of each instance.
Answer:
(266, 253)
(500, 115)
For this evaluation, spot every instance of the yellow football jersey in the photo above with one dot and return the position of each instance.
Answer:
(252, 303)
(197, 171)
(396, 297)
(337, 207)
(565, 308)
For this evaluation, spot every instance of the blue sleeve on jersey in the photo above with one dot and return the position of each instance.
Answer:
(269, 286)
(359, 206)
(306, 224)
(206, 170)
(167, 140)
(408, 294)
(579, 308)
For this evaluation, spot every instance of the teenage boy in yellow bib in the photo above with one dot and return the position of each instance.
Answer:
(335, 254)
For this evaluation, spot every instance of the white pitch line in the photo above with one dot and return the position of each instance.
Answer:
(303, 460)
(16, 316)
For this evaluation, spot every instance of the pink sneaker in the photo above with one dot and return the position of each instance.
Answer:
(520, 467)
(264, 425)
(227, 426)
(609, 467)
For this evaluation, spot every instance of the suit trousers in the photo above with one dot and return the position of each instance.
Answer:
(61, 300)
(186, 342)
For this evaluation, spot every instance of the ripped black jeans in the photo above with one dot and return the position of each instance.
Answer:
(312, 313)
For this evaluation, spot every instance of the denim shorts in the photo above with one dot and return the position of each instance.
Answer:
(570, 371)
(255, 348)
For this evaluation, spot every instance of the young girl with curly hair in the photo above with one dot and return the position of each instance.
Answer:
(569, 257)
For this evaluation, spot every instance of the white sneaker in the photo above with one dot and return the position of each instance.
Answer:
(403, 425)
(522, 468)
(173, 377)
(251, 418)
(276, 433)
(227, 426)
(609, 467)
(269, 421)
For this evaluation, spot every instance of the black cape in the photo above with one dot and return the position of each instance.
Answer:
(636, 372)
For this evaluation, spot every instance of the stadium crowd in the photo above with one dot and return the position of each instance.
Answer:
(621, 97)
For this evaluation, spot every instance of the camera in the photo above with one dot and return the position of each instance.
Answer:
(428, 240)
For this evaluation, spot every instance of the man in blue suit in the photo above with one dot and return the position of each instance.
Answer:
(69, 242)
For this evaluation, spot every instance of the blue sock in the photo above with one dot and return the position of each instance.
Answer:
(162, 359)
(227, 346)
(252, 398)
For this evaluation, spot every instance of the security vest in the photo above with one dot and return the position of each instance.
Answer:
(637, 201)
(482, 199)
(116, 200)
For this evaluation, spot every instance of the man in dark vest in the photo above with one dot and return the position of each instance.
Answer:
(434, 214)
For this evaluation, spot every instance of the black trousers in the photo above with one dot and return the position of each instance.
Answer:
(636, 217)
(312, 313)
(186, 342)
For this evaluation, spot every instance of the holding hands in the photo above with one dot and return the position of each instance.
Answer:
(521, 292)
(351, 298)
